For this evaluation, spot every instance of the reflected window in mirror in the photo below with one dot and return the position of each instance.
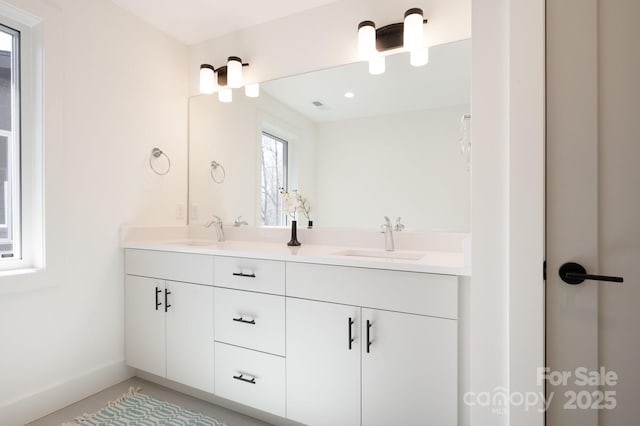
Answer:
(275, 152)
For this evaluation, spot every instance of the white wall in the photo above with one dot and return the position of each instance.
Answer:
(507, 308)
(114, 89)
(404, 164)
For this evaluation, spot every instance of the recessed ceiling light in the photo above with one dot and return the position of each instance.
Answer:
(349, 95)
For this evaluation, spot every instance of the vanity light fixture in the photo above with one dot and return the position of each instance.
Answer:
(226, 78)
(208, 79)
(374, 42)
(349, 95)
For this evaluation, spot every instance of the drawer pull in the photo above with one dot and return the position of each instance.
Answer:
(158, 303)
(240, 274)
(369, 324)
(351, 339)
(242, 320)
(166, 300)
(244, 379)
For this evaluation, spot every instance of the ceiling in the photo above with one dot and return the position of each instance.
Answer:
(194, 21)
(444, 81)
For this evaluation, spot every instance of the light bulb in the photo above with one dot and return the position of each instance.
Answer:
(252, 90)
(413, 29)
(207, 79)
(366, 40)
(377, 65)
(419, 57)
(234, 72)
(225, 95)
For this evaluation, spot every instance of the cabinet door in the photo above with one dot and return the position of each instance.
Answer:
(323, 367)
(409, 369)
(190, 334)
(145, 324)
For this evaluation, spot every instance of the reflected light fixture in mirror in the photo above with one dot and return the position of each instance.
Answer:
(222, 80)
(374, 44)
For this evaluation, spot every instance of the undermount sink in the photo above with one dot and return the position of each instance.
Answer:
(398, 255)
(193, 243)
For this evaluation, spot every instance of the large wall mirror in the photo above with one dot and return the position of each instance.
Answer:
(357, 146)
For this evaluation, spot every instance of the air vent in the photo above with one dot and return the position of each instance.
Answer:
(321, 106)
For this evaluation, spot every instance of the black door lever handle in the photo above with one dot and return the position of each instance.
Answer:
(574, 273)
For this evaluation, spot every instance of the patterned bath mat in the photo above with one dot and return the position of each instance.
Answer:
(134, 408)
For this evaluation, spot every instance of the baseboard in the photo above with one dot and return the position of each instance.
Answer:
(29, 407)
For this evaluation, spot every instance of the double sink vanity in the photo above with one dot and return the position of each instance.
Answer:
(338, 331)
(317, 334)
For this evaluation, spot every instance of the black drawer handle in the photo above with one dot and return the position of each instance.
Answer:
(158, 303)
(351, 339)
(240, 274)
(242, 320)
(166, 300)
(244, 379)
(369, 325)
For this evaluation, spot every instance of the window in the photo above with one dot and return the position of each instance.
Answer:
(274, 177)
(10, 224)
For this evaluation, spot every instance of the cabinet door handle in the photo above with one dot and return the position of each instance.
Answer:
(240, 274)
(166, 299)
(351, 339)
(158, 303)
(244, 379)
(242, 320)
(369, 325)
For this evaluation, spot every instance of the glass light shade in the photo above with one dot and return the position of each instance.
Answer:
(413, 30)
(208, 81)
(366, 40)
(377, 65)
(225, 95)
(252, 90)
(419, 57)
(234, 72)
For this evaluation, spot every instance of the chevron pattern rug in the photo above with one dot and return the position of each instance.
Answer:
(137, 409)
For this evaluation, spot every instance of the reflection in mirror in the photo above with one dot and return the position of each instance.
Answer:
(357, 146)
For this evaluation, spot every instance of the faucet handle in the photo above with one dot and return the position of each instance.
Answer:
(238, 222)
(399, 225)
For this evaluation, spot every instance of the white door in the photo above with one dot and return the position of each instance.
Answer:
(409, 369)
(190, 334)
(145, 324)
(593, 211)
(323, 363)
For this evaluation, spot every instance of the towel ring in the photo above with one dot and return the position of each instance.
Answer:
(157, 153)
(214, 167)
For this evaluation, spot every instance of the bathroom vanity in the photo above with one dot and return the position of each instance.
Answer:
(319, 335)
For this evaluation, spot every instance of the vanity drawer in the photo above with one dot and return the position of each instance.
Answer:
(184, 267)
(252, 378)
(411, 292)
(265, 276)
(252, 320)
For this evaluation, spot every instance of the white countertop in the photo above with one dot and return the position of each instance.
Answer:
(436, 262)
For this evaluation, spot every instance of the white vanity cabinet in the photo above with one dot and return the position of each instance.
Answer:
(409, 369)
(169, 324)
(323, 363)
(402, 365)
(319, 344)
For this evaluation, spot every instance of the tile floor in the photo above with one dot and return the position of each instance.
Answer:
(100, 400)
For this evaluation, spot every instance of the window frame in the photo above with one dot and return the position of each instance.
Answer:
(14, 220)
(31, 152)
